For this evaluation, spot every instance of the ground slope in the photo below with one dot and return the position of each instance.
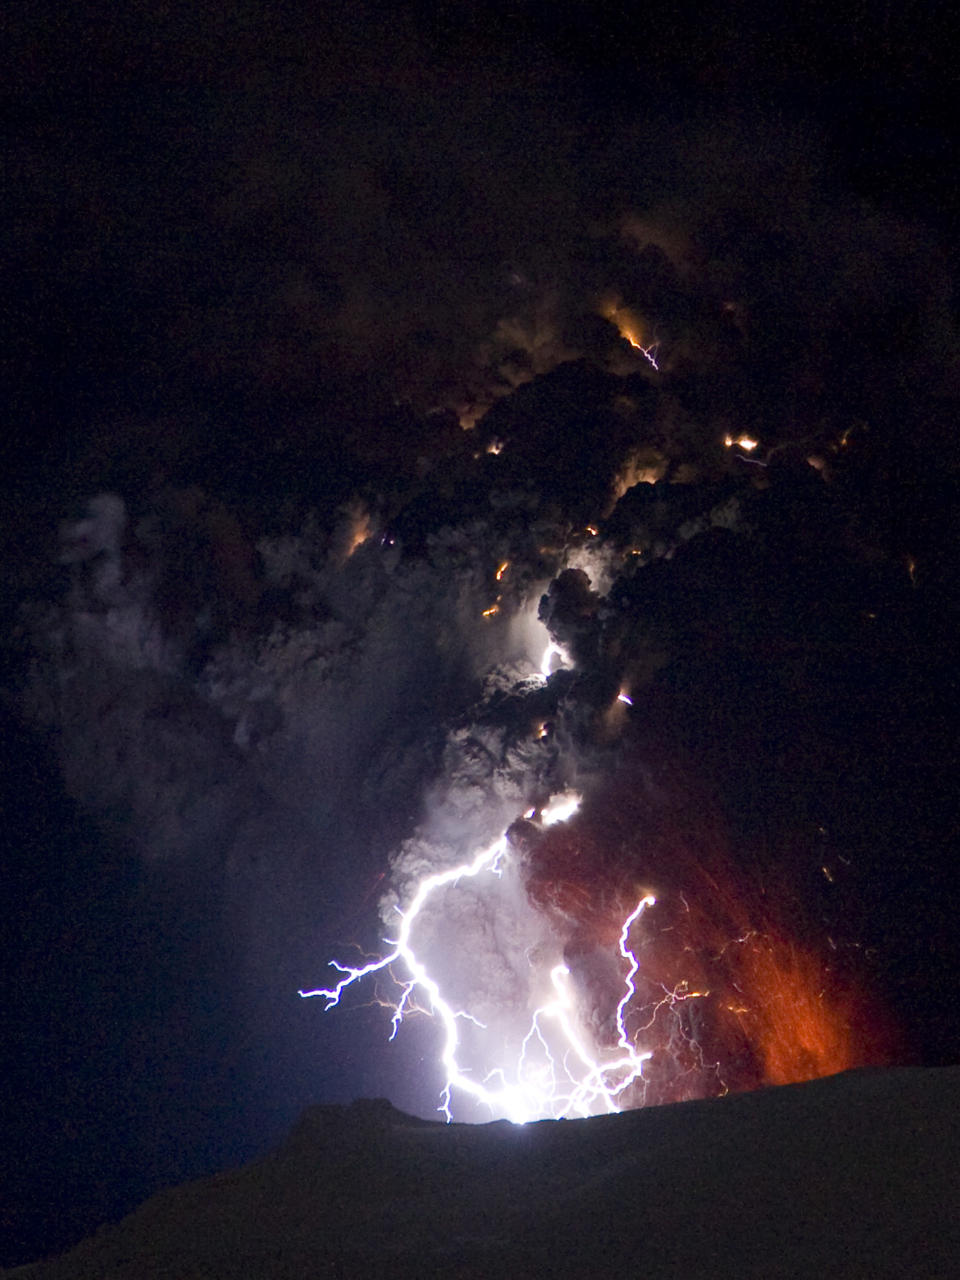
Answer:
(850, 1176)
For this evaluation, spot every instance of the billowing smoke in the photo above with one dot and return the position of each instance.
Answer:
(272, 717)
(595, 519)
(725, 990)
(326, 718)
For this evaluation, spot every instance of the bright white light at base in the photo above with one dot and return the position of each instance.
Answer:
(557, 1069)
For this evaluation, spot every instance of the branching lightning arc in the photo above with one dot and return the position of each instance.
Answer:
(558, 1070)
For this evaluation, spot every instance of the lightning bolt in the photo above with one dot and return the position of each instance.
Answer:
(649, 352)
(633, 963)
(626, 322)
(558, 1072)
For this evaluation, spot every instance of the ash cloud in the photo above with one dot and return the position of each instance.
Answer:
(276, 731)
(437, 335)
(435, 346)
(282, 714)
(220, 678)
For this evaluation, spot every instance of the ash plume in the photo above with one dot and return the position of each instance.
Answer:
(641, 445)
(334, 714)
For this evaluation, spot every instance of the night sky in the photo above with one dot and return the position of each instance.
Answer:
(333, 300)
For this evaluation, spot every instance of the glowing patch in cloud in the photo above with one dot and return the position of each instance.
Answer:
(560, 807)
(744, 442)
(554, 656)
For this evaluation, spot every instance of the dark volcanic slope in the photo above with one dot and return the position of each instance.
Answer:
(850, 1176)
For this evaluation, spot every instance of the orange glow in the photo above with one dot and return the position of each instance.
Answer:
(494, 608)
(626, 322)
(747, 443)
(360, 536)
(799, 1027)
(629, 327)
(503, 569)
(358, 529)
(728, 995)
(631, 336)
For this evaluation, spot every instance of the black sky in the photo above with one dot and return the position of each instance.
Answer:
(187, 189)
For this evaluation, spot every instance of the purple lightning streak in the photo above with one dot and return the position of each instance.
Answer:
(634, 965)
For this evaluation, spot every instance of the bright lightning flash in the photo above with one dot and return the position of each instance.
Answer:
(558, 1071)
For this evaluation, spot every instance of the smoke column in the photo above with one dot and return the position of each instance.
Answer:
(623, 481)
